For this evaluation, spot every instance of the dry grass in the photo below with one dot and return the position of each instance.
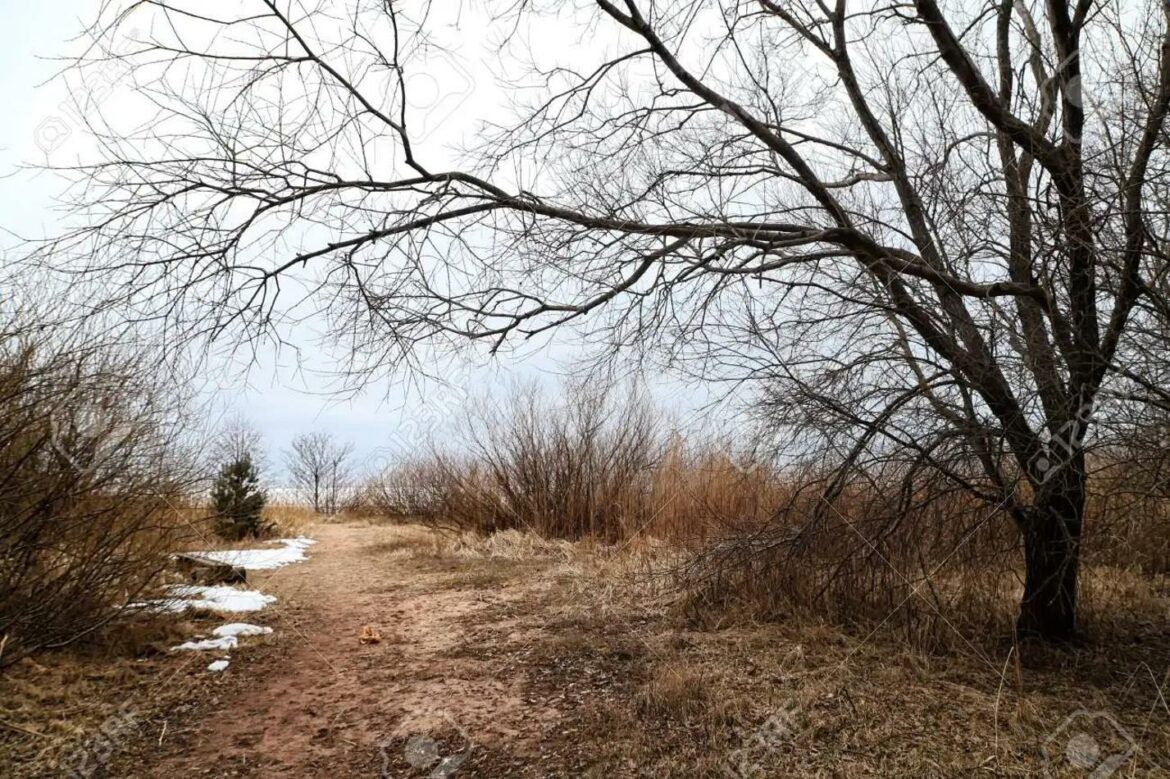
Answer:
(70, 710)
(689, 694)
(290, 520)
(636, 690)
(506, 545)
(647, 694)
(924, 562)
(943, 576)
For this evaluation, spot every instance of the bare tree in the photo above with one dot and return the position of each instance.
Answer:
(935, 229)
(238, 439)
(321, 470)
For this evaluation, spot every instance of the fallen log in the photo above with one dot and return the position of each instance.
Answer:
(202, 570)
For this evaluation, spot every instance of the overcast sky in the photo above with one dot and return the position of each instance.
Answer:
(283, 394)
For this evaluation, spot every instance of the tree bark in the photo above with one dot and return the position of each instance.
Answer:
(1052, 545)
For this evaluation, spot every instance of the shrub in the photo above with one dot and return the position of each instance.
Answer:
(596, 465)
(575, 470)
(410, 490)
(238, 500)
(94, 479)
(924, 561)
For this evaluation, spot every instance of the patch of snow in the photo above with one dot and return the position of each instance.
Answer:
(233, 629)
(218, 665)
(224, 643)
(186, 597)
(291, 551)
(220, 598)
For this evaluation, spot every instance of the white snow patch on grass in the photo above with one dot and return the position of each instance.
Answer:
(189, 597)
(227, 638)
(218, 665)
(233, 629)
(225, 643)
(291, 551)
(220, 598)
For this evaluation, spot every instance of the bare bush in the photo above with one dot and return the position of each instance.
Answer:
(886, 550)
(579, 468)
(408, 490)
(594, 464)
(94, 477)
(915, 561)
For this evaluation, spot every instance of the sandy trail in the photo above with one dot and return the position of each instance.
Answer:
(321, 703)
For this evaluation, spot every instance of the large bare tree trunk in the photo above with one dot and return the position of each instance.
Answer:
(1052, 545)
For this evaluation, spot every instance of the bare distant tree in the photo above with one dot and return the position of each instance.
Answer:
(238, 439)
(936, 228)
(321, 470)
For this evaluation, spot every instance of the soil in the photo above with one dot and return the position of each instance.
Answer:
(438, 664)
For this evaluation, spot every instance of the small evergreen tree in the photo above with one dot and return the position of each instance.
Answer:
(238, 500)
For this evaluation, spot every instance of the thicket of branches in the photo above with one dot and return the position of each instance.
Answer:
(95, 474)
(577, 468)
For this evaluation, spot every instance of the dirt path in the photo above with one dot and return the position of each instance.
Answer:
(319, 702)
